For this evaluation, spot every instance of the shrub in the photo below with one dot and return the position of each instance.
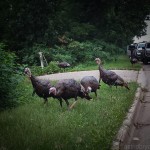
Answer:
(62, 57)
(31, 56)
(82, 31)
(88, 51)
(8, 78)
(75, 52)
(51, 68)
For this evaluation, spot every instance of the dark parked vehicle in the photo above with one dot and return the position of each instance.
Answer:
(131, 48)
(146, 53)
(139, 50)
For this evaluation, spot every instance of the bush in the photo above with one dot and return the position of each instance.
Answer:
(31, 56)
(82, 31)
(88, 51)
(51, 68)
(8, 79)
(75, 52)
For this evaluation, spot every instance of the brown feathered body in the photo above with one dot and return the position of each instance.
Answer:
(40, 87)
(68, 88)
(90, 84)
(63, 65)
(111, 78)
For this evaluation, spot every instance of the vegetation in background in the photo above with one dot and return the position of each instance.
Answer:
(75, 52)
(90, 125)
(9, 77)
(33, 26)
(120, 63)
(50, 69)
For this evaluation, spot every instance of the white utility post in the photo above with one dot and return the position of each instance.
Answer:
(41, 59)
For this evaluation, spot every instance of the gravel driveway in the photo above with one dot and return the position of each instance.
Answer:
(127, 75)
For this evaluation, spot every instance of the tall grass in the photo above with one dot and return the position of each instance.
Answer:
(90, 125)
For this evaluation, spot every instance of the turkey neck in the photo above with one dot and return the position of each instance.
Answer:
(33, 80)
(101, 70)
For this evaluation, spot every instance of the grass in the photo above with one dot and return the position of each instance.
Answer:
(122, 63)
(90, 125)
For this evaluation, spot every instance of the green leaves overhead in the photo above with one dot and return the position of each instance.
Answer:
(24, 24)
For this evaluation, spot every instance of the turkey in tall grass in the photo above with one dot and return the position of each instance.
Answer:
(40, 87)
(68, 88)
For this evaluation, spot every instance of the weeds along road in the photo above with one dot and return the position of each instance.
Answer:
(127, 75)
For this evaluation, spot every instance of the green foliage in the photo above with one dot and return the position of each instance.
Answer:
(8, 78)
(41, 22)
(51, 68)
(26, 23)
(62, 57)
(82, 31)
(107, 51)
(32, 54)
(88, 51)
(75, 52)
(28, 28)
(62, 53)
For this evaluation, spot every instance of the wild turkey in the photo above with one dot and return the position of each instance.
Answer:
(110, 77)
(90, 84)
(40, 87)
(68, 88)
(63, 65)
(133, 58)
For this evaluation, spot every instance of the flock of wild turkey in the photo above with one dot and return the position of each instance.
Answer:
(70, 88)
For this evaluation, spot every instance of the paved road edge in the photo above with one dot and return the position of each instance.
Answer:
(126, 129)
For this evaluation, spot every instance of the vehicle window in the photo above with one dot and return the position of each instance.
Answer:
(131, 47)
(141, 45)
